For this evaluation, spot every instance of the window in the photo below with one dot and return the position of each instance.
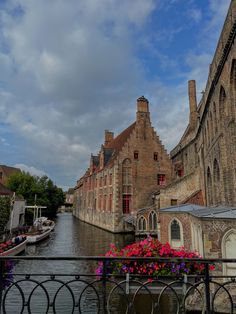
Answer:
(161, 179)
(110, 202)
(180, 172)
(175, 230)
(100, 183)
(155, 156)
(126, 203)
(105, 203)
(105, 180)
(136, 154)
(110, 180)
(173, 202)
(152, 221)
(233, 75)
(142, 224)
(1, 175)
(126, 185)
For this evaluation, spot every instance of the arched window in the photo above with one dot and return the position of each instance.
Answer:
(228, 249)
(222, 102)
(126, 185)
(208, 133)
(175, 230)
(215, 118)
(211, 125)
(233, 75)
(142, 224)
(209, 187)
(152, 221)
(176, 233)
(216, 175)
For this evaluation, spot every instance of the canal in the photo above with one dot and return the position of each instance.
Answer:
(72, 237)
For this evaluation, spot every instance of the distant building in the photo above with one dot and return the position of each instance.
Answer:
(69, 197)
(123, 176)
(6, 172)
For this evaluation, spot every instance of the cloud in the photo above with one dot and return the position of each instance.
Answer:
(71, 71)
(32, 170)
(195, 14)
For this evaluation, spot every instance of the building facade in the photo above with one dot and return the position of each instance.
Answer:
(210, 231)
(124, 175)
(204, 161)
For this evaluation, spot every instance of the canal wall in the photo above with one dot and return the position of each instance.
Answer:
(112, 222)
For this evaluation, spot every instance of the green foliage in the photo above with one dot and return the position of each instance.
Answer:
(5, 204)
(48, 194)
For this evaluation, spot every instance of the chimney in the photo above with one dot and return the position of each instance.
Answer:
(192, 104)
(142, 109)
(109, 136)
(142, 104)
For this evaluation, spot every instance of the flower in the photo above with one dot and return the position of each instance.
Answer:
(151, 247)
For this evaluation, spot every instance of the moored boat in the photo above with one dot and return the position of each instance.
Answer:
(35, 236)
(45, 223)
(13, 247)
(41, 227)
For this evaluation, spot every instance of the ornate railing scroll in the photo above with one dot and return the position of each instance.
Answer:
(78, 289)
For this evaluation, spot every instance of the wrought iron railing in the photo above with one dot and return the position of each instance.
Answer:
(80, 290)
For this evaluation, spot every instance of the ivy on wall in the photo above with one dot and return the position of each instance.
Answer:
(5, 204)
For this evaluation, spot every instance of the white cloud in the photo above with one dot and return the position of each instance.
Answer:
(30, 169)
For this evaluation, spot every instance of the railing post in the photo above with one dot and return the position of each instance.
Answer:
(104, 286)
(207, 289)
(1, 282)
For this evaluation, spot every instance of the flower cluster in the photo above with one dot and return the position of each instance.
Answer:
(151, 247)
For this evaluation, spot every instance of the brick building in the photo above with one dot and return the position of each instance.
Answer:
(204, 161)
(6, 172)
(124, 175)
(211, 231)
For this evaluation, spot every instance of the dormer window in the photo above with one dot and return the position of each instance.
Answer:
(136, 154)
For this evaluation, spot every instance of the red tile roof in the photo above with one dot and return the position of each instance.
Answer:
(120, 140)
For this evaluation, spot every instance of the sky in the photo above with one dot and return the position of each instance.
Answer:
(71, 69)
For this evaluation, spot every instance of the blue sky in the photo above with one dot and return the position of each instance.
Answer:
(70, 70)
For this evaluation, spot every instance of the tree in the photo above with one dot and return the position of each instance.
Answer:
(5, 204)
(48, 194)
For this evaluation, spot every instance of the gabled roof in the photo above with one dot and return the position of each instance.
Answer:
(120, 140)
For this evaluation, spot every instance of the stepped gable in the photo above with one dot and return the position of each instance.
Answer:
(120, 140)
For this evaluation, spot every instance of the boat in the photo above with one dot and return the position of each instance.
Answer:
(13, 247)
(41, 227)
(46, 223)
(36, 235)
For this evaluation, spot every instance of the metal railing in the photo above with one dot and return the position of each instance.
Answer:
(83, 291)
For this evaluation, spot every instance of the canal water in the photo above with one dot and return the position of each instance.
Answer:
(71, 237)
